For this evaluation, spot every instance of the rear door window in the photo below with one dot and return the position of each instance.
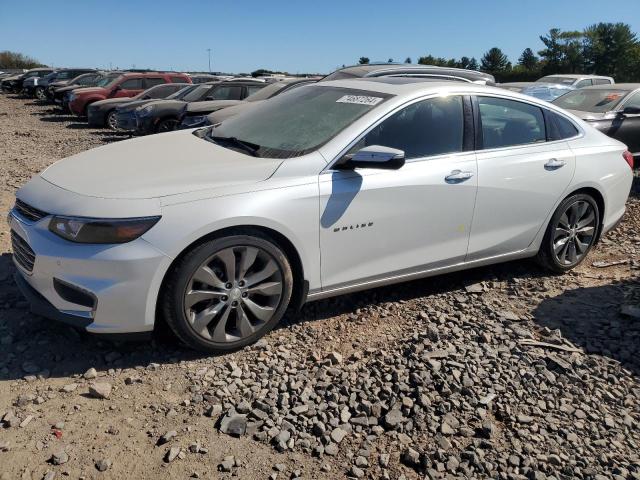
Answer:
(226, 92)
(634, 101)
(584, 83)
(507, 123)
(153, 81)
(132, 84)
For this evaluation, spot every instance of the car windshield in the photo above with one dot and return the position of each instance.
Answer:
(594, 101)
(266, 92)
(106, 81)
(560, 80)
(182, 92)
(296, 122)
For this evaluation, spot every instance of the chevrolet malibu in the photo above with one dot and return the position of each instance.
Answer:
(327, 189)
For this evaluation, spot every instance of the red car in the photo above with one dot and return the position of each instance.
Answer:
(125, 85)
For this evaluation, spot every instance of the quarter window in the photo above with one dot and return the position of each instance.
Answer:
(507, 123)
(601, 81)
(424, 129)
(558, 127)
(178, 80)
(634, 101)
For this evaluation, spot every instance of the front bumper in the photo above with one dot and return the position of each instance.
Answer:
(122, 279)
(95, 117)
(126, 120)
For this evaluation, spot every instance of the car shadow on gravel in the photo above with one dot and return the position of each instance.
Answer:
(33, 345)
(591, 319)
(57, 118)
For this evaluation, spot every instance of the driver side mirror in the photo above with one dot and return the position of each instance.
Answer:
(373, 156)
(631, 111)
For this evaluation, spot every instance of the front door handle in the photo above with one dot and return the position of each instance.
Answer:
(554, 164)
(458, 176)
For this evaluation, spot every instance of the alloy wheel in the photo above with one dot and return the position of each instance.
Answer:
(233, 294)
(41, 94)
(112, 121)
(168, 125)
(574, 233)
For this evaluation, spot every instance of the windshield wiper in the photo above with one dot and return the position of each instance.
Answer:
(249, 147)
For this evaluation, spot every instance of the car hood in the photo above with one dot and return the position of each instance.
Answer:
(85, 90)
(590, 115)
(157, 166)
(210, 106)
(114, 102)
(167, 104)
(132, 105)
(13, 77)
(67, 88)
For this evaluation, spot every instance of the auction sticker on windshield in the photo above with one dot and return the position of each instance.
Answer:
(359, 99)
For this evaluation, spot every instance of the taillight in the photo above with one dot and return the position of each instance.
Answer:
(629, 158)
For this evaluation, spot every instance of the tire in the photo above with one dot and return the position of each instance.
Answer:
(571, 233)
(212, 309)
(167, 125)
(111, 120)
(40, 94)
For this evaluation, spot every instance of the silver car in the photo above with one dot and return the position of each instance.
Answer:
(326, 189)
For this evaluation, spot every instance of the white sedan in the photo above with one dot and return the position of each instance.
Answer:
(330, 188)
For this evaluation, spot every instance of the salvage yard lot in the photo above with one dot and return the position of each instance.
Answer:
(496, 371)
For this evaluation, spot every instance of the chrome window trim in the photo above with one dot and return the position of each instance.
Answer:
(581, 132)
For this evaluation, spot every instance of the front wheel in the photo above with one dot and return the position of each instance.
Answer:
(41, 94)
(167, 125)
(571, 233)
(228, 292)
(112, 120)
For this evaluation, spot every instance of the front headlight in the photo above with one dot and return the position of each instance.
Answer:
(193, 121)
(144, 111)
(97, 230)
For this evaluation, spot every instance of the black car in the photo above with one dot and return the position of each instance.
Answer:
(39, 88)
(80, 80)
(164, 115)
(195, 113)
(409, 70)
(103, 112)
(13, 84)
(125, 114)
(612, 109)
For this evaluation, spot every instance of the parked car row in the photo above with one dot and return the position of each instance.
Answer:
(551, 87)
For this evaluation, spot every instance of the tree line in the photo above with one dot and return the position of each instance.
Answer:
(610, 49)
(17, 60)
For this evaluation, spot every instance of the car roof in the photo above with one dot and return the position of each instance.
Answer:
(372, 69)
(575, 75)
(410, 86)
(629, 87)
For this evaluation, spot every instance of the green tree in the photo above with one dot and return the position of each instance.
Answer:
(17, 60)
(473, 64)
(563, 52)
(390, 60)
(552, 53)
(363, 60)
(610, 49)
(528, 60)
(407, 60)
(495, 61)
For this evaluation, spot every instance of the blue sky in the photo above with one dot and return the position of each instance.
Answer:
(297, 36)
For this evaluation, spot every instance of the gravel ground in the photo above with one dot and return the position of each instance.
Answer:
(500, 372)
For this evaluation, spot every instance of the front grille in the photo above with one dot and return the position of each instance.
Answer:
(22, 253)
(29, 212)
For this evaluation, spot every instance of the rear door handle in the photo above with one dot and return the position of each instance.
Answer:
(458, 176)
(554, 164)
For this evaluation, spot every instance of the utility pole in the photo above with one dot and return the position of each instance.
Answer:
(209, 52)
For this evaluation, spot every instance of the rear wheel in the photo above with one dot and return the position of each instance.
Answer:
(571, 233)
(167, 125)
(228, 292)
